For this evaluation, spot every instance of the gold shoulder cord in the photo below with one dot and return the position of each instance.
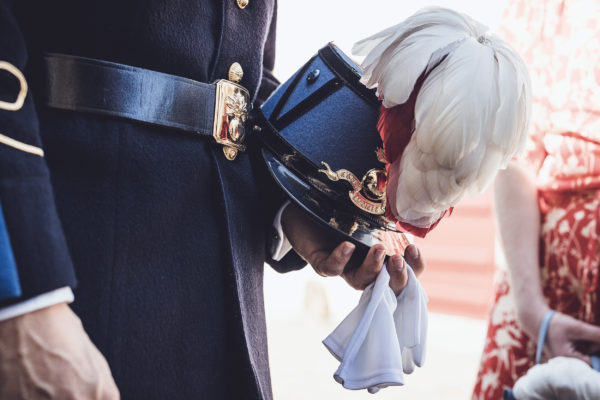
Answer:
(16, 106)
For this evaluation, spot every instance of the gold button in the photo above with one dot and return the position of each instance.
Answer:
(242, 3)
(236, 73)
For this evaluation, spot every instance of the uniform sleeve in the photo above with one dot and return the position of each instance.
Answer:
(57, 296)
(33, 252)
(268, 81)
(273, 195)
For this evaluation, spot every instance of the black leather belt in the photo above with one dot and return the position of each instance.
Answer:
(83, 84)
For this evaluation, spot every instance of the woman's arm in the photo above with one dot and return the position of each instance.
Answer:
(518, 220)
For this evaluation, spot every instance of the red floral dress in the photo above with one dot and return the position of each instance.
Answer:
(560, 42)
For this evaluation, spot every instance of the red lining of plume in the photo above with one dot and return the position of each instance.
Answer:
(396, 126)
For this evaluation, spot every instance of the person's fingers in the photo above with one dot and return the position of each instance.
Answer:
(594, 348)
(396, 267)
(585, 358)
(412, 255)
(564, 332)
(109, 392)
(332, 264)
(585, 331)
(361, 277)
(570, 351)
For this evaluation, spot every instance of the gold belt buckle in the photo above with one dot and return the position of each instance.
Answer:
(231, 112)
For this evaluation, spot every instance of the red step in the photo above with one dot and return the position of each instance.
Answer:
(460, 260)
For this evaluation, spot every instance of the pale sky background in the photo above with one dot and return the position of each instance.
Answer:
(307, 25)
(303, 308)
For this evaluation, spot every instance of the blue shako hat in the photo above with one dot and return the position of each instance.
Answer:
(321, 145)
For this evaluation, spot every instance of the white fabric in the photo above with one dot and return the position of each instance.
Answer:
(61, 295)
(383, 338)
(281, 244)
(560, 378)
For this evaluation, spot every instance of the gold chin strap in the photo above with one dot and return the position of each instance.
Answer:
(18, 103)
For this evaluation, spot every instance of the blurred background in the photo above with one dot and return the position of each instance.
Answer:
(303, 308)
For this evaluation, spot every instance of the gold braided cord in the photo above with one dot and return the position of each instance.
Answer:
(15, 106)
(21, 146)
(18, 103)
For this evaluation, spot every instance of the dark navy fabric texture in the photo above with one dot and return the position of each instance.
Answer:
(167, 237)
(306, 87)
(9, 277)
(33, 225)
(342, 148)
(337, 130)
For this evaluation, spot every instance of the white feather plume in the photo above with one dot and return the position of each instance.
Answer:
(471, 113)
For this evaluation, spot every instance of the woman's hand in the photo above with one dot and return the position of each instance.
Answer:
(565, 333)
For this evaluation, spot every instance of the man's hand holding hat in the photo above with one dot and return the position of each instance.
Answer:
(313, 244)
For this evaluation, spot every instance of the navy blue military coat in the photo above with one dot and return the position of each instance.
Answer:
(164, 236)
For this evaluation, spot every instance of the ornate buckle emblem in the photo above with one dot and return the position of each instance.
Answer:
(368, 194)
(231, 112)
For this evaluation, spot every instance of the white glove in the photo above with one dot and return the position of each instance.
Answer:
(383, 337)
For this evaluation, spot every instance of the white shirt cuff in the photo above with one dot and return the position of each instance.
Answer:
(281, 244)
(62, 295)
